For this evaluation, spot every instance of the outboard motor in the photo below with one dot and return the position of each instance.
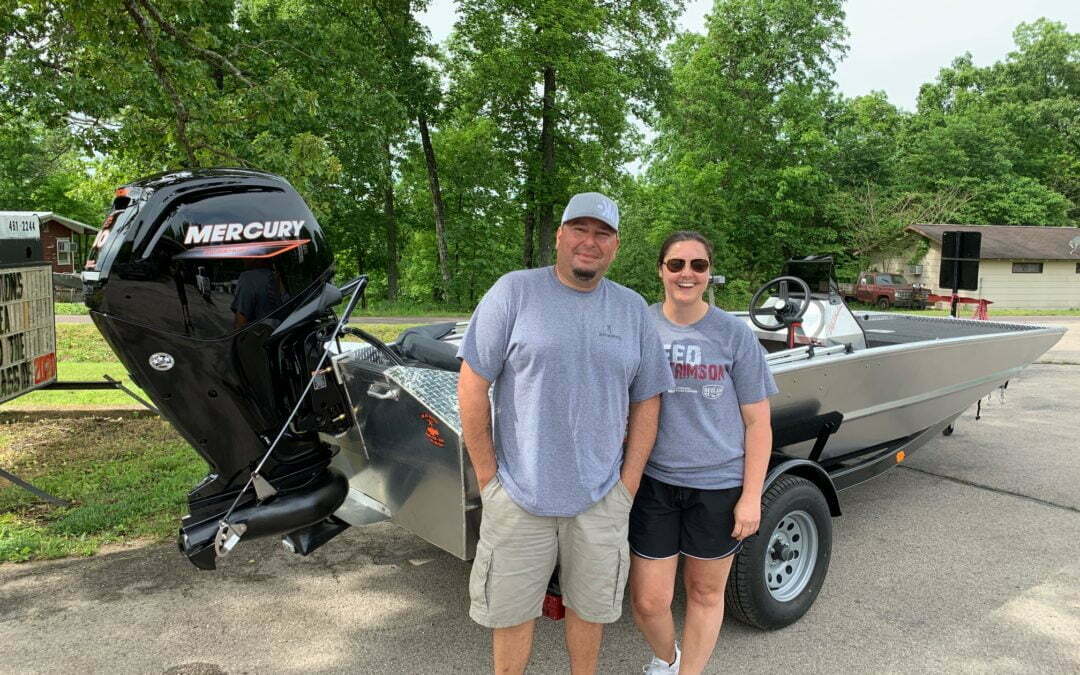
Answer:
(213, 288)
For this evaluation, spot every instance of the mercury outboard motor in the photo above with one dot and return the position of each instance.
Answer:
(213, 288)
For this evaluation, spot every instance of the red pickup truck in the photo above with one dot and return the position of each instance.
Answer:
(885, 289)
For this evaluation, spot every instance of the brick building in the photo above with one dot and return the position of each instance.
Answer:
(65, 241)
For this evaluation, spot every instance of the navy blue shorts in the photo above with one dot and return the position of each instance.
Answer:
(669, 519)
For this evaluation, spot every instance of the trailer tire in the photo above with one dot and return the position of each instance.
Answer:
(801, 507)
(883, 302)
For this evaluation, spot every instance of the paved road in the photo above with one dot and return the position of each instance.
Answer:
(964, 559)
(1065, 351)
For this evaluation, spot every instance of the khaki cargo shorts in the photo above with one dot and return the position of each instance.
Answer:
(517, 553)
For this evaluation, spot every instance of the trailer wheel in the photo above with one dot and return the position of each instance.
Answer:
(883, 302)
(778, 574)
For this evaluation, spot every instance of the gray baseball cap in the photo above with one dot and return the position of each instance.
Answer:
(592, 205)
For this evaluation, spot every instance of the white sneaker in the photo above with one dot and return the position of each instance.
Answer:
(659, 666)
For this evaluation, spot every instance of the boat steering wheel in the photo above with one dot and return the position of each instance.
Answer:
(785, 313)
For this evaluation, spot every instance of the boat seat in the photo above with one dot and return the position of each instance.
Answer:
(423, 344)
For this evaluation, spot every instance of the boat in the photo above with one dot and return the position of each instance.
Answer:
(214, 288)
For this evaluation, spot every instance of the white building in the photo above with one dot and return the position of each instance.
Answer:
(1020, 266)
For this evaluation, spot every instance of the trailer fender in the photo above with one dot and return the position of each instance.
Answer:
(812, 472)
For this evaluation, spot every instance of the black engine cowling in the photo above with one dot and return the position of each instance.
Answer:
(189, 278)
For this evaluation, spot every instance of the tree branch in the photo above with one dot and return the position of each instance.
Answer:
(163, 78)
(208, 55)
(287, 45)
(240, 161)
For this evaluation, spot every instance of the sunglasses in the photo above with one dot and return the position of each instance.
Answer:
(675, 265)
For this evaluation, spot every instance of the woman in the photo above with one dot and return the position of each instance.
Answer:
(701, 492)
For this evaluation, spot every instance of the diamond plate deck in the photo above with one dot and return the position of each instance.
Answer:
(434, 389)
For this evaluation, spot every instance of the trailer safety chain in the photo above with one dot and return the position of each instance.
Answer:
(1001, 399)
(228, 534)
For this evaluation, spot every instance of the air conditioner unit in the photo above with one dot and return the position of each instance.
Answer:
(64, 246)
(915, 269)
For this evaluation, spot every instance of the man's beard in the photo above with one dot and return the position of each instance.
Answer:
(583, 275)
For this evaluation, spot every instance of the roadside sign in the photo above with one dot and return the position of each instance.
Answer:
(19, 226)
(27, 330)
(960, 260)
(27, 324)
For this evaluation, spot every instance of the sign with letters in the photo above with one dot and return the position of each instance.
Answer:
(27, 329)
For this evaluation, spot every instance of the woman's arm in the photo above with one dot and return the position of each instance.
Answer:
(640, 438)
(758, 445)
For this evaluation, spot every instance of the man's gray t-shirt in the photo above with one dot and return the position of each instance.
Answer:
(718, 366)
(565, 364)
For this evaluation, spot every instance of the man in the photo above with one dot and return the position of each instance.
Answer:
(578, 368)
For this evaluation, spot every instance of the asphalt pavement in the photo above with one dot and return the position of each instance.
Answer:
(964, 559)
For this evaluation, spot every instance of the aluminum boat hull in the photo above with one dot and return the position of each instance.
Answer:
(892, 391)
(406, 460)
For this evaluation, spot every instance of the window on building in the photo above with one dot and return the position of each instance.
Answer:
(63, 251)
(1027, 268)
(1078, 268)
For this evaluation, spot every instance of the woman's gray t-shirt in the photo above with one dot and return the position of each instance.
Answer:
(718, 366)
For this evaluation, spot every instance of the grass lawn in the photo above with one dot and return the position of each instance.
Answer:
(1004, 311)
(78, 308)
(83, 355)
(126, 479)
(69, 308)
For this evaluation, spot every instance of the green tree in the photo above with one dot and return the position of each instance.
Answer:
(743, 147)
(41, 170)
(163, 83)
(561, 80)
(1009, 134)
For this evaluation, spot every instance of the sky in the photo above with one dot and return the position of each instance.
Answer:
(893, 46)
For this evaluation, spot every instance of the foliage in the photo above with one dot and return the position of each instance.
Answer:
(526, 104)
(70, 309)
(1008, 133)
(595, 67)
(742, 149)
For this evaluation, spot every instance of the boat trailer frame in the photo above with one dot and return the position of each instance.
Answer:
(843, 471)
(75, 385)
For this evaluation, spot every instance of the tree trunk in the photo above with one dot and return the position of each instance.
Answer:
(390, 222)
(546, 225)
(529, 220)
(360, 270)
(528, 249)
(437, 206)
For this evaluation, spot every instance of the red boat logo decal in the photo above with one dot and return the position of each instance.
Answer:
(432, 432)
